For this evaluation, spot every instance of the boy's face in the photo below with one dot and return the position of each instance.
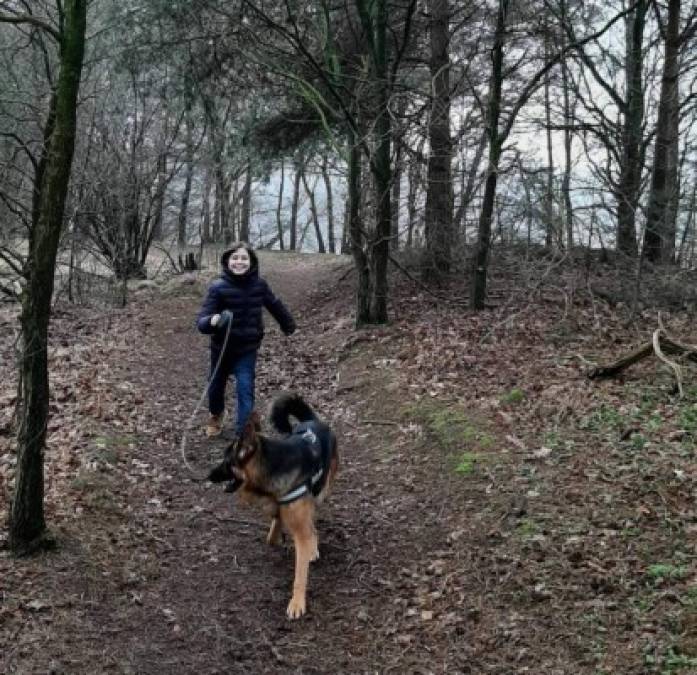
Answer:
(239, 261)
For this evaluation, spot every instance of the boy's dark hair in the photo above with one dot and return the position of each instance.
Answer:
(254, 261)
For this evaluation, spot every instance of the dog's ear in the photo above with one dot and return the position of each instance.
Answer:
(247, 443)
(252, 425)
(245, 450)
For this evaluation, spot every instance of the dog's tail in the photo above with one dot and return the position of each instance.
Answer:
(287, 406)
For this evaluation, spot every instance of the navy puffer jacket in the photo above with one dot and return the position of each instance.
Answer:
(245, 296)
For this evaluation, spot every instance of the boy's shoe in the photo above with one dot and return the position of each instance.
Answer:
(214, 426)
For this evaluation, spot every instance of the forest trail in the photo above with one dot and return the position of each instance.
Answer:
(485, 518)
(160, 574)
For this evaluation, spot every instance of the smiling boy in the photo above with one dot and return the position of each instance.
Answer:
(234, 304)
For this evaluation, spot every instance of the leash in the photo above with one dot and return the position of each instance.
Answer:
(189, 425)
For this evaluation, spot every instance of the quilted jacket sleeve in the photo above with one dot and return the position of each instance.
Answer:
(210, 306)
(278, 311)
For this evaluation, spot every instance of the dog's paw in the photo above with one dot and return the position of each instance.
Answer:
(296, 608)
(314, 556)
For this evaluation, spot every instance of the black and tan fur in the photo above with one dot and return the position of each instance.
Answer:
(271, 468)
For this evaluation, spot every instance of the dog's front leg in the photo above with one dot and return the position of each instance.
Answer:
(314, 546)
(298, 519)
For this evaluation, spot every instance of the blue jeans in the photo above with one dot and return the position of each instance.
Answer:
(243, 367)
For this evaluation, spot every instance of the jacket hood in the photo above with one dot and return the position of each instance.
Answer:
(253, 260)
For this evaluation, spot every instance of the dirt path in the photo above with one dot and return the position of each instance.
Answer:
(162, 574)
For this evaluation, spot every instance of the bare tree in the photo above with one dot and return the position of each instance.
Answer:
(499, 131)
(660, 235)
(439, 229)
(27, 524)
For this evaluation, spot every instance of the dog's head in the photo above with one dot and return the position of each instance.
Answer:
(247, 443)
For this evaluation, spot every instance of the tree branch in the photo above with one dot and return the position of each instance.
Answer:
(32, 21)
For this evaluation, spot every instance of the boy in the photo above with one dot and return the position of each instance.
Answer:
(234, 304)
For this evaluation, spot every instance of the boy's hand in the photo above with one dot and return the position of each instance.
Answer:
(224, 318)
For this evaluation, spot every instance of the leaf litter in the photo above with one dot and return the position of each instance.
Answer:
(567, 544)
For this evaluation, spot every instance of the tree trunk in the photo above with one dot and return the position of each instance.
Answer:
(396, 200)
(688, 230)
(382, 174)
(246, 204)
(279, 206)
(551, 234)
(313, 211)
(659, 239)
(206, 211)
(27, 522)
(299, 168)
(356, 235)
(632, 135)
(218, 203)
(159, 197)
(182, 237)
(468, 190)
(232, 199)
(414, 174)
(331, 237)
(439, 203)
(481, 258)
(568, 142)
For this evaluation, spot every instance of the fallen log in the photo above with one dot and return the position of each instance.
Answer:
(660, 345)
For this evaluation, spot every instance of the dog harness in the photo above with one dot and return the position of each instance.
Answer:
(313, 484)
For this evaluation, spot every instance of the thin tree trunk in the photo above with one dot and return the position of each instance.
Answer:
(206, 211)
(233, 200)
(182, 235)
(27, 521)
(246, 204)
(411, 202)
(219, 209)
(159, 198)
(313, 211)
(396, 200)
(632, 135)
(688, 231)
(439, 204)
(481, 258)
(345, 231)
(355, 228)
(381, 169)
(279, 206)
(331, 242)
(468, 192)
(299, 168)
(659, 238)
(568, 142)
(550, 229)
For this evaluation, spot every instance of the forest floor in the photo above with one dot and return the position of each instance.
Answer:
(496, 511)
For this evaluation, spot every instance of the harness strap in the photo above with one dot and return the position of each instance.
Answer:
(311, 439)
(301, 490)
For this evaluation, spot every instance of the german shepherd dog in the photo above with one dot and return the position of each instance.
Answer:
(291, 475)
